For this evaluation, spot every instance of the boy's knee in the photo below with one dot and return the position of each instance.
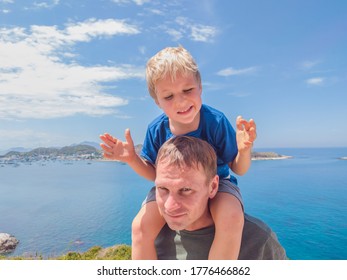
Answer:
(137, 225)
(239, 218)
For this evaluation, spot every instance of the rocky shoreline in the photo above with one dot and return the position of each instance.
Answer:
(8, 243)
(268, 156)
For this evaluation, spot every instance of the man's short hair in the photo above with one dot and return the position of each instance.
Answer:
(191, 152)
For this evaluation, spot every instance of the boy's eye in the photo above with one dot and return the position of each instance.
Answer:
(169, 97)
(188, 90)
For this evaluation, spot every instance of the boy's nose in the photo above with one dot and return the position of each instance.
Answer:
(180, 98)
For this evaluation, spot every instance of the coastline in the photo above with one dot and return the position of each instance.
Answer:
(268, 156)
(272, 158)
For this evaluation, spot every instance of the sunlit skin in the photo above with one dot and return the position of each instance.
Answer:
(182, 196)
(182, 206)
(181, 102)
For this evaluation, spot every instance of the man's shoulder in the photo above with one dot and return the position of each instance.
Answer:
(259, 242)
(254, 222)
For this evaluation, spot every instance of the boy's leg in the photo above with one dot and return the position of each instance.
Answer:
(145, 228)
(228, 216)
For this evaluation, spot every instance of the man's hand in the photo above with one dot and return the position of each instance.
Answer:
(115, 149)
(246, 133)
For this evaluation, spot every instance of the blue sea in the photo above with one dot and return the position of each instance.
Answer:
(56, 207)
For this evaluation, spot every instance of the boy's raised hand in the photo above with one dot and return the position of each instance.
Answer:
(246, 133)
(115, 149)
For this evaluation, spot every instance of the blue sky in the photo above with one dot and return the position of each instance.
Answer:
(72, 70)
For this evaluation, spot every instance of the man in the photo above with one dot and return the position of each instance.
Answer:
(185, 182)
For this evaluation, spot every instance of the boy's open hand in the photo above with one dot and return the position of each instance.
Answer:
(246, 133)
(115, 149)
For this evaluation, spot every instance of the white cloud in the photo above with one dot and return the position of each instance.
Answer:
(142, 50)
(239, 94)
(47, 4)
(175, 34)
(203, 33)
(156, 12)
(194, 31)
(36, 83)
(232, 72)
(315, 81)
(137, 2)
(141, 2)
(309, 64)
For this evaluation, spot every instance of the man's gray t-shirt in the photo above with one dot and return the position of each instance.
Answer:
(259, 242)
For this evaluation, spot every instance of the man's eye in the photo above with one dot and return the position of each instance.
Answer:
(188, 90)
(161, 189)
(186, 189)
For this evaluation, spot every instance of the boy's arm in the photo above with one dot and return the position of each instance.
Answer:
(143, 168)
(115, 149)
(245, 136)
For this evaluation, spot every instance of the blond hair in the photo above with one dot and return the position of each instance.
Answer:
(191, 152)
(168, 63)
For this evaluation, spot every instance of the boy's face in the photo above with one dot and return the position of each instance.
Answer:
(180, 100)
(182, 196)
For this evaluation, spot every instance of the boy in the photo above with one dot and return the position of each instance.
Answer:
(174, 83)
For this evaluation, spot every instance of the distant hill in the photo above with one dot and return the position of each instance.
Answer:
(89, 143)
(93, 149)
(14, 149)
(54, 152)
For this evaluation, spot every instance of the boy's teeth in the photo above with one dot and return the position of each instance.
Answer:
(184, 110)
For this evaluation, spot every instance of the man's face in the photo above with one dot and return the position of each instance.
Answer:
(182, 196)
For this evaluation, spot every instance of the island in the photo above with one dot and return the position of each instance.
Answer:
(89, 153)
(74, 152)
(268, 156)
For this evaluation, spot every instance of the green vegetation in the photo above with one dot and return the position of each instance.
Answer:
(118, 252)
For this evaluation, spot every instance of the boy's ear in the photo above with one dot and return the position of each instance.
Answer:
(156, 102)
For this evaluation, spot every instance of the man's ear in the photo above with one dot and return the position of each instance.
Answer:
(213, 187)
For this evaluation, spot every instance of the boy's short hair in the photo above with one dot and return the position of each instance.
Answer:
(170, 62)
(191, 152)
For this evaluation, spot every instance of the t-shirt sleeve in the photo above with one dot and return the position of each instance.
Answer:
(225, 141)
(149, 151)
(259, 242)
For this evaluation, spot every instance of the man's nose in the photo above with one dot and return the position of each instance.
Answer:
(171, 203)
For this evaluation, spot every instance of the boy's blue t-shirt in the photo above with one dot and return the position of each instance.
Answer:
(214, 128)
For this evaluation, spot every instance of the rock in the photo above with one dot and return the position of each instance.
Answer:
(8, 243)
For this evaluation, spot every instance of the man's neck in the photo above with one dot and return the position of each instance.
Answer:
(204, 221)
